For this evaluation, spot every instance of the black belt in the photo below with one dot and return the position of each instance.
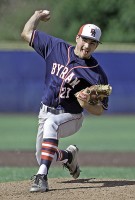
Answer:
(52, 110)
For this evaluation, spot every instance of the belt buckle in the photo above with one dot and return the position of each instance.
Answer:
(61, 111)
(54, 111)
(51, 110)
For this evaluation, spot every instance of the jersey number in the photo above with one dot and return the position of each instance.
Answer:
(65, 93)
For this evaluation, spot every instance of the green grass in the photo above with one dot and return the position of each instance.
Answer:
(108, 133)
(18, 131)
(103, 133)
(18, 174)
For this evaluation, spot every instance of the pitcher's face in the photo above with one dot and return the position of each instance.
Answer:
(85, 47)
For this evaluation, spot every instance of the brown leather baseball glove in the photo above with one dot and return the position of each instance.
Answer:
(93, 95)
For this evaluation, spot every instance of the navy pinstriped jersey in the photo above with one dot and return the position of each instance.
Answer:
(65, 72)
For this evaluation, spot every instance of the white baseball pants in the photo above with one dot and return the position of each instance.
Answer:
(56, 127)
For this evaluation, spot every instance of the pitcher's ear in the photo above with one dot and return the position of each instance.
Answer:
(77, 37)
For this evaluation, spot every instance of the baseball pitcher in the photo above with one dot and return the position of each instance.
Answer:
(74, 81)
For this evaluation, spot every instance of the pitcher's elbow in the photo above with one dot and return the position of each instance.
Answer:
(25, 36)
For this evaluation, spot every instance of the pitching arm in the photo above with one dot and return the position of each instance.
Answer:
(32, 23)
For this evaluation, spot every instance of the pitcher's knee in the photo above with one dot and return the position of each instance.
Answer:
(50, 129)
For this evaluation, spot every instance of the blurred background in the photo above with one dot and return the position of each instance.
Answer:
(22, 72)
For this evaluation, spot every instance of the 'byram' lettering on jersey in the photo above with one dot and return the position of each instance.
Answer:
(56, 69)
(69, 77)
(61, 71)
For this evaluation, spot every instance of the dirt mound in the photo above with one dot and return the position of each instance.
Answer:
(68, 189)
(65, 189)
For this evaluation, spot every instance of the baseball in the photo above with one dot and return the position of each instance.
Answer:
(47, 12)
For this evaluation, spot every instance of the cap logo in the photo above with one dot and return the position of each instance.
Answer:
(93, 32)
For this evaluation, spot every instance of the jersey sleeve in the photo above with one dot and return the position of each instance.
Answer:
(43, 43)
